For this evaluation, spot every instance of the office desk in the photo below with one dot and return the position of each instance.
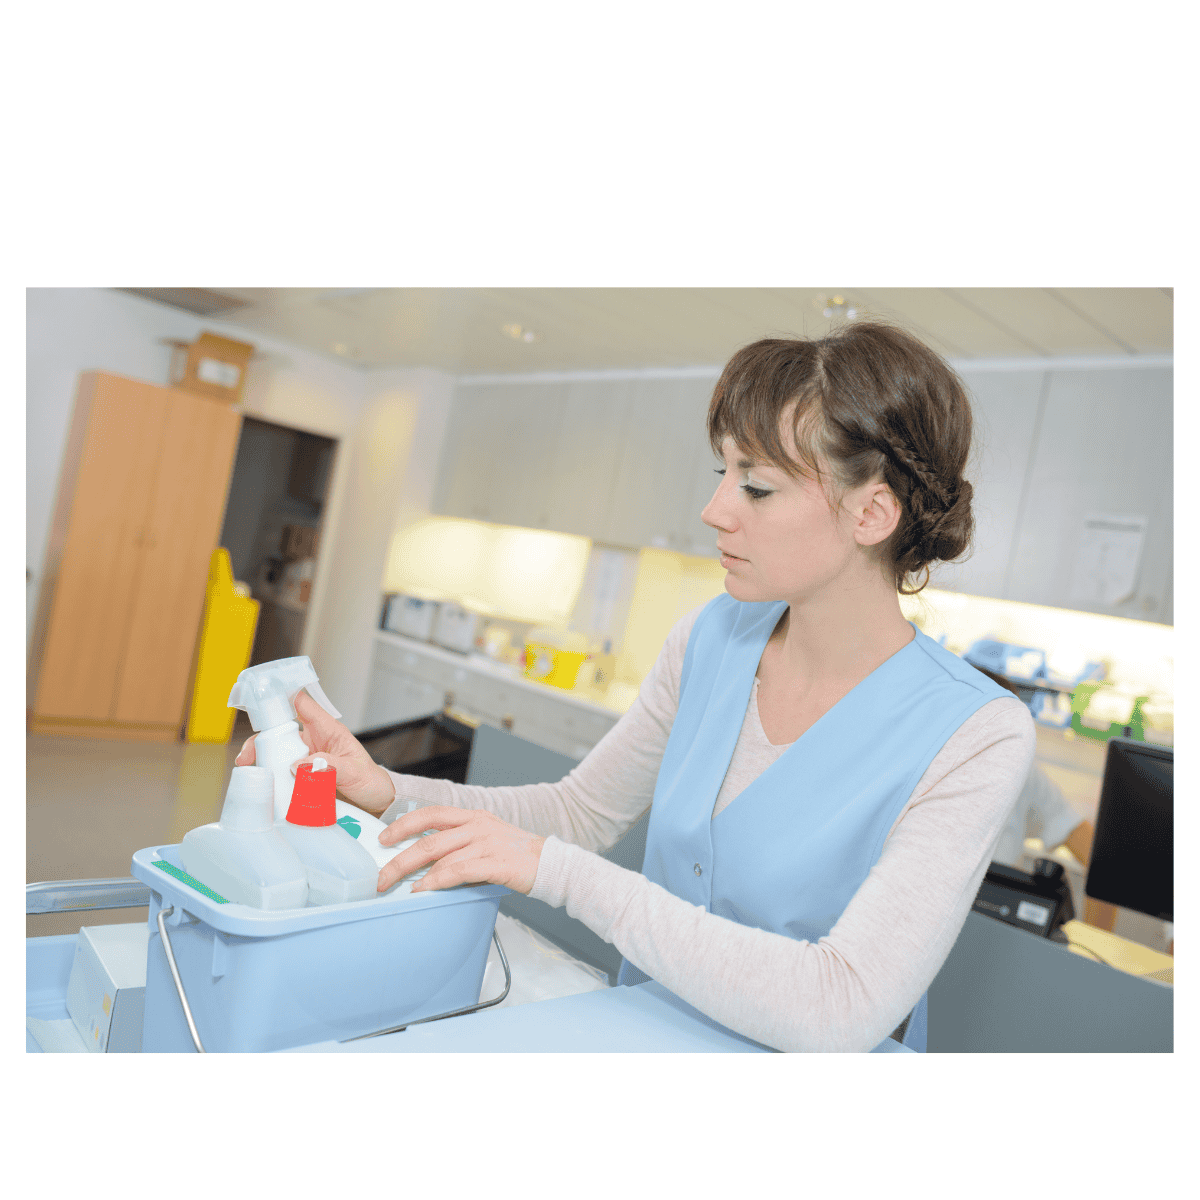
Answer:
(1003, 989)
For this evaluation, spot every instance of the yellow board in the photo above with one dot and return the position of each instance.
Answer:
(226, 639)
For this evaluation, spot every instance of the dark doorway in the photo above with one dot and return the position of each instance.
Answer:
(272, 528)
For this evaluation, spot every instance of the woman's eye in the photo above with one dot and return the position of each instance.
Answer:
(755, 493)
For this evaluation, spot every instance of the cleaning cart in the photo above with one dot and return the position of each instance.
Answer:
(222, 976)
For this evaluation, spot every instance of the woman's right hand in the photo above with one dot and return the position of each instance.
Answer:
(359, 780)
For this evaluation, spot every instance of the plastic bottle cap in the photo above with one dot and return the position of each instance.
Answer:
(249, 800)
(313, 796)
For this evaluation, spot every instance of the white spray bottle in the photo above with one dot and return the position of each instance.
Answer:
(267, 693)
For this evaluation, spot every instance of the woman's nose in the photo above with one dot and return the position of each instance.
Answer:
(715, 513)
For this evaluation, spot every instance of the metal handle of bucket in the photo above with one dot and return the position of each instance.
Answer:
(458, 1012)
(161, 920)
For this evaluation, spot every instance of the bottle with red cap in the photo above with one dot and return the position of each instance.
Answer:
(339, 869)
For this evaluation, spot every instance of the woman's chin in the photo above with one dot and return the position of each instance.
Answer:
(739, 589)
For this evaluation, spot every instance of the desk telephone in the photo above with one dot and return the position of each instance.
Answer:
(1039, 902)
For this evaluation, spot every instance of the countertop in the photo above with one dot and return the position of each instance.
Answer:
(484, 665)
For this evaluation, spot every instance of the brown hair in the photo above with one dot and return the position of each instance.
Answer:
(871, 402)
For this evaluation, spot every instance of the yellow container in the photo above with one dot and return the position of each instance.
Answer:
(226, 640)
(554, 658)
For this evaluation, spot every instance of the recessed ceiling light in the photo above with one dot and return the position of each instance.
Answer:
(517, 333)
(836, 306)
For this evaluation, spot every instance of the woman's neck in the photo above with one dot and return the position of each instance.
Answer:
(841, 633)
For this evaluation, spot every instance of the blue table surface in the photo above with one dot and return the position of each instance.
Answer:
(646, 1017)
(642, 1018)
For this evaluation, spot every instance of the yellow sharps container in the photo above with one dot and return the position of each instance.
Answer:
(554, 656)
(226, 640)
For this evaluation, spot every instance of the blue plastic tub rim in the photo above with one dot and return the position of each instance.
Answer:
(243, 920)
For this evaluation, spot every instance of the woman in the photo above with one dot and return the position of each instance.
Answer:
(826, 783)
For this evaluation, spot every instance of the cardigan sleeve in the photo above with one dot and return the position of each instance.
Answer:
(848, 990)
(845, 992)
(596, 802)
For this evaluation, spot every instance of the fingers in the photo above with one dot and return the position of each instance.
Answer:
(471, 864)
(426, 851)
(245, 756)
(324, 727)
(435, 816)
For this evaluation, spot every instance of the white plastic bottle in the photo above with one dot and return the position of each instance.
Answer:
(267, 693)
(243, 856)
(365, 829)
(338, 868)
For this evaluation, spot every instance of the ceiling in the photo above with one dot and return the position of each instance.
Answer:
(485, 330)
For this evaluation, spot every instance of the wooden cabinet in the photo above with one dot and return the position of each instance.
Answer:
(139, 508)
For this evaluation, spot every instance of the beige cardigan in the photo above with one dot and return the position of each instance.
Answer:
(848, 990)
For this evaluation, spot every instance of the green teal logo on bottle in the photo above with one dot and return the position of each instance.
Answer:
(350, 825)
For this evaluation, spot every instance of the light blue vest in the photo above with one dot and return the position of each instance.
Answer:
(789, 852)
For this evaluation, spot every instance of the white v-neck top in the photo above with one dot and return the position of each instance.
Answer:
(752, 755)
(848, 990)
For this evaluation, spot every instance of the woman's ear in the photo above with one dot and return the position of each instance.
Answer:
(876, 514)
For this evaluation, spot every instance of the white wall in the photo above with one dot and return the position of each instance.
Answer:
(389, 481)
(377, 418)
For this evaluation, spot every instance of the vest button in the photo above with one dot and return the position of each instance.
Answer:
(696, 868)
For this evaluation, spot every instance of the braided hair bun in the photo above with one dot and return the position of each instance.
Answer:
(870, 402)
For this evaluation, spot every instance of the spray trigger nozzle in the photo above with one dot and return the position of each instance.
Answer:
(268, 691)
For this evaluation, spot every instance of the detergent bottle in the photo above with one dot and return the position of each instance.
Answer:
(267, 693)
(243, 856)
(338, 868)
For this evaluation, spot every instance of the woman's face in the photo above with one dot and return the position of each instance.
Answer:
(778, 537)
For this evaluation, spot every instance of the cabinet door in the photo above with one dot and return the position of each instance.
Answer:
(500, 453)
(94, 590)
(393, 697)
(190, 483)
(1005, 406)
(596, 417)
(699, 538)
(656, 470)
(1105, 447)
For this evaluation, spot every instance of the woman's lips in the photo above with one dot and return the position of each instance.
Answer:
(728, 559)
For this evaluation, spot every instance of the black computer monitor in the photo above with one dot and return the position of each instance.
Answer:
(1132, 860)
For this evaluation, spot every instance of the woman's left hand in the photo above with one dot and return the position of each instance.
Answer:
(471, 846)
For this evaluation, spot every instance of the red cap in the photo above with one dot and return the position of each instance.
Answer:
(313, 796)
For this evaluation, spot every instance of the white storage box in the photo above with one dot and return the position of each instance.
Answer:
(273, 980)
(107, 987)
(410, 616)
(455, 627)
